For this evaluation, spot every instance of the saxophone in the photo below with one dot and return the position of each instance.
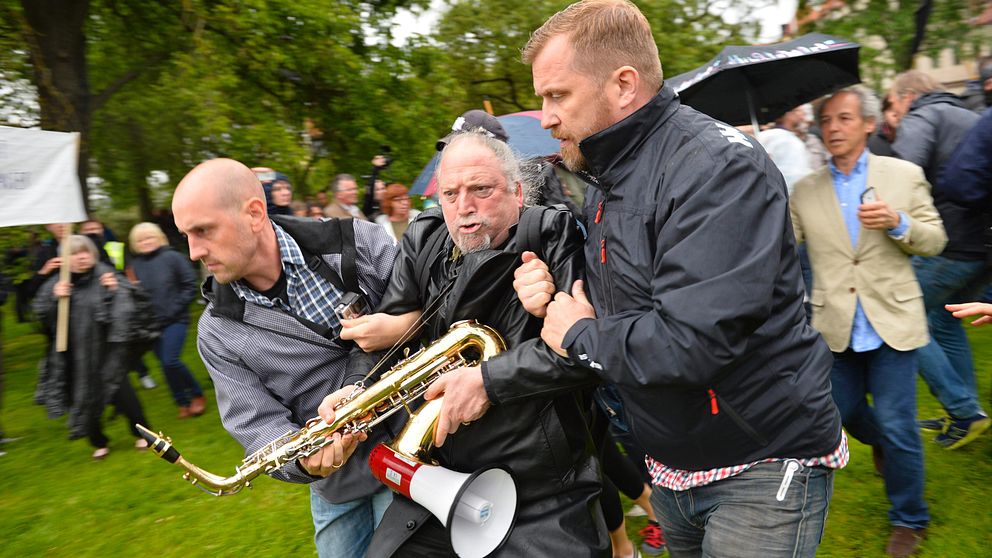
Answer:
(466, 344)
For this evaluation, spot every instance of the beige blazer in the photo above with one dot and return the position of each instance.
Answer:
(335, 209)
(878, 271)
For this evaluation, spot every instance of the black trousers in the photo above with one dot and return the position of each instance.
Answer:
(126, 402)
(619, 475)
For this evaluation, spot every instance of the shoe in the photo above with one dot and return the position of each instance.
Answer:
(878, 459)
(962, 432)
(100, 453)
(934, 425)
(654, 539)
(148, 382)
(184, 412)
(904, 541)
(141, 444)
(636, 511)
(197, 406)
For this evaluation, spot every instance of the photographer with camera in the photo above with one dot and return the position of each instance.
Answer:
(376, 187)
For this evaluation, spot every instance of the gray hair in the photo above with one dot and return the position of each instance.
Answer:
(513, 169)
(871, 108)
(336, 183)
(915, 82)
(79, 243)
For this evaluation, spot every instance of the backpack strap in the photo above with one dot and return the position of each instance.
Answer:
(333, 236)
(349, 254)
(529, 228)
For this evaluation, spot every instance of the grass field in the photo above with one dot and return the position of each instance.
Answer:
(56, 502)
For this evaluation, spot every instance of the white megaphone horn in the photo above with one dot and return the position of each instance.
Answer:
(478, 509)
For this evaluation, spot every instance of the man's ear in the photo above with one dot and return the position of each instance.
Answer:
(519, 194)
(870, 126)
(255, 209)
(628, 82)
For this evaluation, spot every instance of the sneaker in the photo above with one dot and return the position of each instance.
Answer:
(962, 432)
(100, 453)
(654, 540)
(141, 444)
(148, 382)
(934, 425)
(636, 511)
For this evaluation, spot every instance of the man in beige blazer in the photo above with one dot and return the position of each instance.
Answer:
(862, 217)
(345, 202)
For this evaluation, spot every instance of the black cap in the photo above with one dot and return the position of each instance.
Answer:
(474, 120)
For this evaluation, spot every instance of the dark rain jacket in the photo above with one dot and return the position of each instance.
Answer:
(927, 136)
(83, 379)
(541, 436)
(170, 281)
(967, 177)
(693, 272)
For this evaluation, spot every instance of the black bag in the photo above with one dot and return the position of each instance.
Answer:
(142, 325)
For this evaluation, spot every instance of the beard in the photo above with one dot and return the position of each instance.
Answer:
(573, 158)
(475, 241)
(571, 155)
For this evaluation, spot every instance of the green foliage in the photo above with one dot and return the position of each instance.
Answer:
(484, 43)
(886, 29)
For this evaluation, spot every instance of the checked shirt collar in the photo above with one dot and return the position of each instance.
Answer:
(310, 295)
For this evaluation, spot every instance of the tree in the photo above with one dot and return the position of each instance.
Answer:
(886, 30)
(484, 47)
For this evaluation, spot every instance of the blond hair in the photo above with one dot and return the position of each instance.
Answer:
(146, 228)
(606, 35)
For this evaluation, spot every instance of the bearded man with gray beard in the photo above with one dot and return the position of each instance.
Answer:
(459, 261)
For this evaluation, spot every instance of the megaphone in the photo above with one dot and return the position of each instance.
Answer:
(477, 508)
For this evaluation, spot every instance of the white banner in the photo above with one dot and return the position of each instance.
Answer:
(38, 181)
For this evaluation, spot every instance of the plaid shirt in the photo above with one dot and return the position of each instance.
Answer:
(675, 479)
(310, 295)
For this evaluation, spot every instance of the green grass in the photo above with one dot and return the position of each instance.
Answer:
(56, 502)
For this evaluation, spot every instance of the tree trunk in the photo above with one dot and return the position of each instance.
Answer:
(56, 37)
(139, 163)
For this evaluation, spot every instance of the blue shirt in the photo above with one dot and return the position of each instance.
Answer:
(848, 188)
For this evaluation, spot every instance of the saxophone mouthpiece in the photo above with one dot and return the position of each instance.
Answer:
(159, 444)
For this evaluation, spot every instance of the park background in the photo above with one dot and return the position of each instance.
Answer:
(313, 88)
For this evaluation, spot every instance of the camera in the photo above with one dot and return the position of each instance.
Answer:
(386, 152)
(350, 306)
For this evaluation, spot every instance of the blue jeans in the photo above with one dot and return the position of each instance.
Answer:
(345, 530)
(181, 382)
(945, 363)
(740, 516)
(890, 376)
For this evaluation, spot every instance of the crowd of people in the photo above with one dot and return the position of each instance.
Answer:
(728, 308)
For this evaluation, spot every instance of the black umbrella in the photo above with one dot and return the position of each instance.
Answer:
(748, 84)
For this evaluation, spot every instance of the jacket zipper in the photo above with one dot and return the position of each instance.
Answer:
(604, 267)
(736, 418)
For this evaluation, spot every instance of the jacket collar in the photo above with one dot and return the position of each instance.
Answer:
(607, 149)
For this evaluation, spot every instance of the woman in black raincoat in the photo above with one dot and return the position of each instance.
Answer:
(91, 372)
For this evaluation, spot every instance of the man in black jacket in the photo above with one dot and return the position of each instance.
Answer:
(472, 248)
(932, 125)
(696, 297)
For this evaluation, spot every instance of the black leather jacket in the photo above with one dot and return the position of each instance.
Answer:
(542, 438)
